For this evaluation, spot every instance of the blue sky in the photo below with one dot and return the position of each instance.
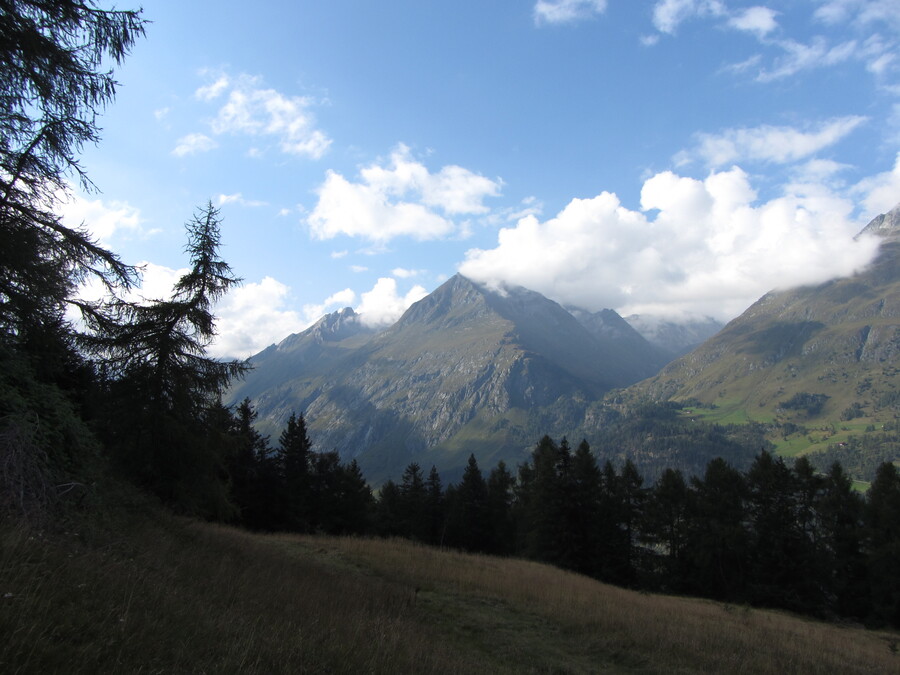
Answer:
(670, 157)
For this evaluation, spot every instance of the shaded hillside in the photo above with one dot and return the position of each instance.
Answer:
(464, 370)
(238, 602)
(826, 354)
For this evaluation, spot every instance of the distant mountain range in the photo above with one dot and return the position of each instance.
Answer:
(464, 370)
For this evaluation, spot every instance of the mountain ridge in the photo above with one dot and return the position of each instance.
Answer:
(465, 369)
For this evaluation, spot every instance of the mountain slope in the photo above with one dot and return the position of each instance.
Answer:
(464, 370)
(838, 342)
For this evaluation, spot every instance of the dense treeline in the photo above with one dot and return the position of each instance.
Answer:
(658, 435)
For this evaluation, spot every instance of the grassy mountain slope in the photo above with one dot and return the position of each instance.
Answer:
(151, 593)
(821, 359)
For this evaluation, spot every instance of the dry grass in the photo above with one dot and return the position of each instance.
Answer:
(612, 627)
(172, 595)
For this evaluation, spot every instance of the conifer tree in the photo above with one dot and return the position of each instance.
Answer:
(251, 471)
(883, 543)
(416, 523)
(468, 524)
(294, 457)
(164, 381)
(388, 515)
(666, 523)
(357, 504)
(435, 507)
(840, 514)
(51, 55)
(718, 543)
(584, 509)
(501, 493)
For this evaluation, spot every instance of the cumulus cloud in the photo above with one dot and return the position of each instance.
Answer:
(402, 198)
(253, 316)
(102, 219)
(251, 109)
(566, 11)
(696, 247)
(192, 144)
(779, 145)
(383, 305)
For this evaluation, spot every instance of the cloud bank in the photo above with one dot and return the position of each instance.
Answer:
(695, 247)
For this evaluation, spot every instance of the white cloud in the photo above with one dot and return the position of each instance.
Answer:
(339, 300)
(253, 316)
(400, 199)
(710, 249)
(383, 305)
(213, 90)
(161, 113)
(818, 171)
(102, 219)
(669, 14)
(758, 20)
(566, 11)
(253, 110)
(799, 57)
(403, 273)
(861, 12)
(769, 143)
(193, 143)
(880, 193)
(238, 198)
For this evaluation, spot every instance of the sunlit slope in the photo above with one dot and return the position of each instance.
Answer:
(840, 340)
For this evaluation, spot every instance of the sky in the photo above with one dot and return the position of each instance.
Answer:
(675, 158)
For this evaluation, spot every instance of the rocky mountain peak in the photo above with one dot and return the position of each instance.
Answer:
(887, 225)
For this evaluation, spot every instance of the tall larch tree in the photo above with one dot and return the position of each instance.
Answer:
(163, 379)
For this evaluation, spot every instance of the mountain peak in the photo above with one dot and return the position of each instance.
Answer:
(887, 225)
(453, 296)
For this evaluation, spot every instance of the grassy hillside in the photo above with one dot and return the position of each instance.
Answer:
(818, 364)
(169, 595)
